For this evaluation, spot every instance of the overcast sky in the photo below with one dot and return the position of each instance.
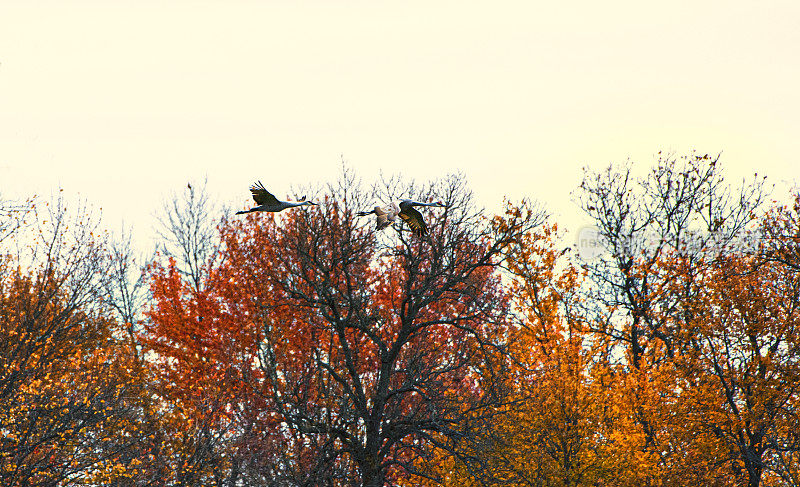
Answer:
(123, 103)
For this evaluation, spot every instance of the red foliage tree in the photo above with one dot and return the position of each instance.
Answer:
(332, 355)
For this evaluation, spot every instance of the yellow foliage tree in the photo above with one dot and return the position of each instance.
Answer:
(69, 391)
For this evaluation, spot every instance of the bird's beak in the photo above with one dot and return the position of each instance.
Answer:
(312, 203)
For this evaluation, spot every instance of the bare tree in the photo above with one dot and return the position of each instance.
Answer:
(127, 287)
(12, 216)
(187, 227)
(684, 206)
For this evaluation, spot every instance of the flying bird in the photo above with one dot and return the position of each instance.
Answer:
(413, 217)
(267, 202)
(386, 216)
(383, 216)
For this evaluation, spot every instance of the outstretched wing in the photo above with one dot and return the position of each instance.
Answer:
(262, 196)
(383, 219)
(413, 219)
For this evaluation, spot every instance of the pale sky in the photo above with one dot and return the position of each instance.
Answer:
(122, 103)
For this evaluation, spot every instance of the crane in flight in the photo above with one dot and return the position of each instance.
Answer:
(267, 202)
(385, 216)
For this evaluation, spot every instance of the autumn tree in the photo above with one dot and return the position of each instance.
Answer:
(739, 372)
(683, 206)
(68, 394)
(558, 425)
(196, 430)
(342, 355)
(557, 432)
(781, 235)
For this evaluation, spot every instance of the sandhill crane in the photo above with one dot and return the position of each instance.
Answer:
(267, 202)
(385, 216)
(413, 218)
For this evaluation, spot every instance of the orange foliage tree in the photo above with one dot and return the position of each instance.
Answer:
(559, 430)
(739, 371)
(558, 426)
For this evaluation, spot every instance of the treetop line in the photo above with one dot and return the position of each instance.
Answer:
(273, 351)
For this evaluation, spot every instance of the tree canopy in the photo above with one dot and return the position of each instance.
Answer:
(308, 348)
